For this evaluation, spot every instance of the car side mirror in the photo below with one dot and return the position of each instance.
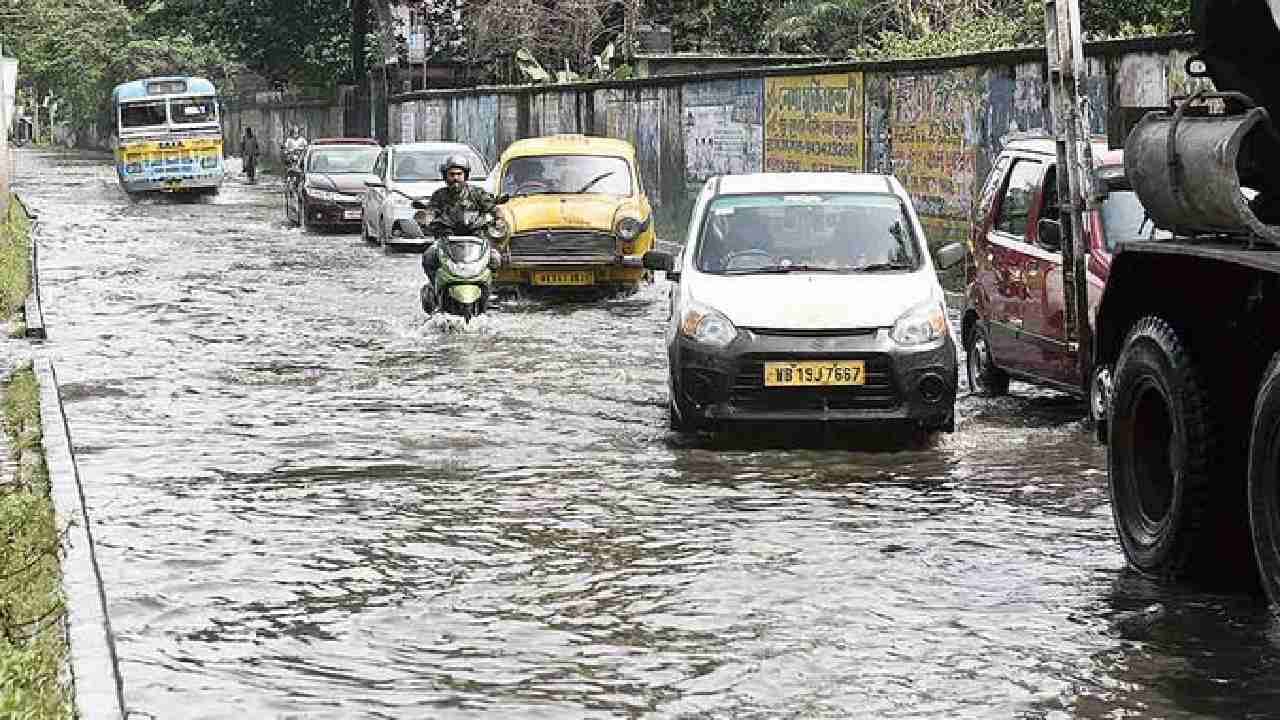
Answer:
(419, 205)
(501, 199)
(951, 255)
(374, 183)
(1049, 234)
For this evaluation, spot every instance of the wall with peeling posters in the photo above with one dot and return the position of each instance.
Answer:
(937, 124)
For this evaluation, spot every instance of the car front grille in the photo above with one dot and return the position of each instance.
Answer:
(750, 393)
(562, 243)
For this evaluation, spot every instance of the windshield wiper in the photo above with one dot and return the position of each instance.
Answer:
(595, 180)
(784, 269)
(885, 266)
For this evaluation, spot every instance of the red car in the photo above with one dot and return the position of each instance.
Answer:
(326, 185)
(1014, 319)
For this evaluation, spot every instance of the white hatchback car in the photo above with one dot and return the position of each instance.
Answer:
(406, 172)
(808, 296)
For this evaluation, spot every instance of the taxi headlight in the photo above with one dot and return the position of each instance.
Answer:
(707, 326)
(922, 324)
(498, 229)
(629, 227)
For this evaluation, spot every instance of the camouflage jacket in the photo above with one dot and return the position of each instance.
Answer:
(471, 198)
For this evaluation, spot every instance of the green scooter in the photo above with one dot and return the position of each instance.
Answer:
(459, 264)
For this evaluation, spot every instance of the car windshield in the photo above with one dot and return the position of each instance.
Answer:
(410, 165)
(831, 232)
(1124, 219)
(359, 159)
(193, 110)
(142, 114)
(571, 174)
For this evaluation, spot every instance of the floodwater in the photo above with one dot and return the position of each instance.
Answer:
(313, 502)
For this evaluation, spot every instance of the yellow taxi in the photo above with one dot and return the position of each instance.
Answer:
(577, 216)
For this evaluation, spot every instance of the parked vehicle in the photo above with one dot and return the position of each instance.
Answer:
(578, 214)
(1015, 318)
(327, 184)
(169, 132)
(808, 296)
(403, 173)
(460, 262)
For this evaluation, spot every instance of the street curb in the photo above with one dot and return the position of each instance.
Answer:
(33, 315)
(95, 671)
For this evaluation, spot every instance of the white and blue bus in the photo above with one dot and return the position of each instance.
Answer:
(169, 132)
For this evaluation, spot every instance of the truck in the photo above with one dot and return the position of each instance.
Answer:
(1187, 333)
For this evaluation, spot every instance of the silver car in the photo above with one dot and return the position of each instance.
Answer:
(404, 173)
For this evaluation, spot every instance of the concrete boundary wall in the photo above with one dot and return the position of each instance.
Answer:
(937, 124)
(95, 671)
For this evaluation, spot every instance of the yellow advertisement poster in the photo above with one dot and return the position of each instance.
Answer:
(814, 122)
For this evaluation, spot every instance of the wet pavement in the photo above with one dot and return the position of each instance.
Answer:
(312, 501)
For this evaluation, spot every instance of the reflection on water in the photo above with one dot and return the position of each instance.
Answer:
(313, 501)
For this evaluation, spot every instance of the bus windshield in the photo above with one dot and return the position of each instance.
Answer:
(142, 114)
(193, 110)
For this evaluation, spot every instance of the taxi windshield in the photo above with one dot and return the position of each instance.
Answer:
(343, 160)
(567, 174)
(825, 232)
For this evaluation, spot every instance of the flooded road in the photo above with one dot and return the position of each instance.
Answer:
(311, 501)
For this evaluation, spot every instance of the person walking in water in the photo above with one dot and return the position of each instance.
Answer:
(249, 153)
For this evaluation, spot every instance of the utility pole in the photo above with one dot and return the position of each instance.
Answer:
(1069, 108)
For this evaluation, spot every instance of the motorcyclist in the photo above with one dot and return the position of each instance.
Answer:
(294, 146)
(447, 206)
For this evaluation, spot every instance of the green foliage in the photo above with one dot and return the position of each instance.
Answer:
(714, 25)
(306, 42)
(974, 34)
(15, 273)
(32, 644)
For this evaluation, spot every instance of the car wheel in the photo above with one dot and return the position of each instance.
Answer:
(1264, 481)
(680, 416)
(302, 213)
(1178, 506)
(984, 377)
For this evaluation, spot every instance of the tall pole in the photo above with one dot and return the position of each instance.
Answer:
(1070, 113)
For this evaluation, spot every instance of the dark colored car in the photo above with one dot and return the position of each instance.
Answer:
(1014, 325)
(326, 187)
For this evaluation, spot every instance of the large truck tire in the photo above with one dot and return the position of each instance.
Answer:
(1178, 507)
(1264, 481)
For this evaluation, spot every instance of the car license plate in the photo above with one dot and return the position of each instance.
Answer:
(563, 278)
(351, 215)
(819, 373)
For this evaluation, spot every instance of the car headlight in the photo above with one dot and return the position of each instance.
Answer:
(326, 195)
(707, 326)
(398, 200)
(628, 228)
(921, 324)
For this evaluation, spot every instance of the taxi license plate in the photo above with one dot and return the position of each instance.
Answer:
(815, 373)
(563, 278)
(351, 215)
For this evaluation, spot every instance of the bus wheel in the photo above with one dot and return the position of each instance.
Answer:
(1264, 481)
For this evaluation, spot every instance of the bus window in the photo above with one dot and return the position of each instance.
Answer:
(142, 114)
(193, 110)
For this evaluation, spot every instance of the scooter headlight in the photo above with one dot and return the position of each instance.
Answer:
(922, 324)
(464, 252)
(707, 326)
